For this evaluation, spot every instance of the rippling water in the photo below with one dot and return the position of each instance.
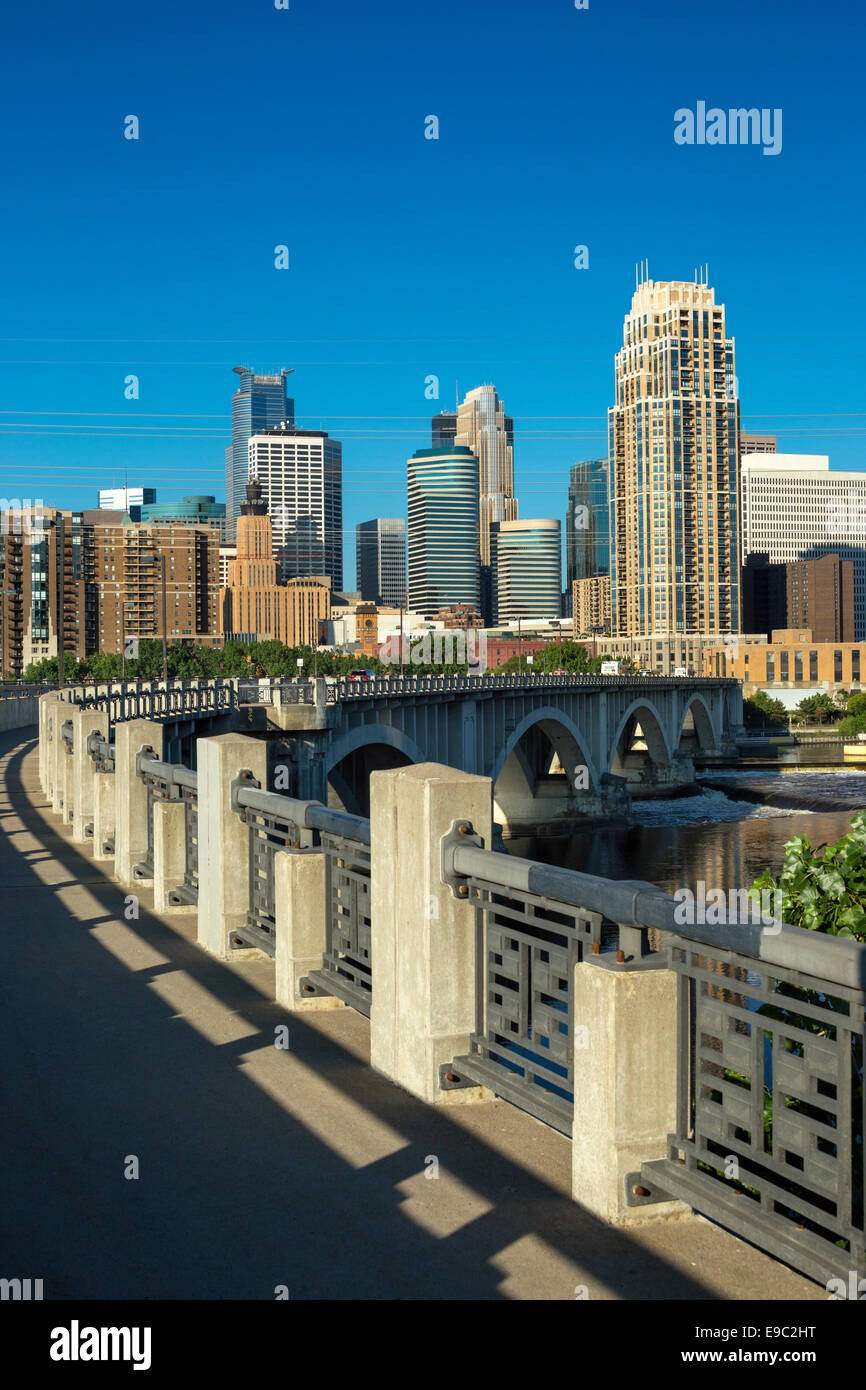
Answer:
(715, 836)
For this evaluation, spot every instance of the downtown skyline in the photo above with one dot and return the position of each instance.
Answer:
(403, 280)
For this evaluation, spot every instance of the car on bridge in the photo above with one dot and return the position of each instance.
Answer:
(361, 675)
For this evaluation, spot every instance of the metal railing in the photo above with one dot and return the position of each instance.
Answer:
(534, 924)
(26, 691)
(169, 782)
(102, 753)
(771, 1119)
(770, 1099)
(346, 964)
(282, 824)
(149, 700)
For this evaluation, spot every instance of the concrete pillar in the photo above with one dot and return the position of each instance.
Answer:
(56, 753)
(169, 854)
(130, 832)
(423, 938)
(46, 705)
(625, 1073)
(223, 840)
(84, 722)
(104, 812)
(66, 770)
(300, 908)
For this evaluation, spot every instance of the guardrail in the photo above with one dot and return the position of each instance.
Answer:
(22, 692)
(277, 823)
(152, 700)
(170, 782)
(770, 1098)
(722, 1064)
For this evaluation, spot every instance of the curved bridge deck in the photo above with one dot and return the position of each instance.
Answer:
(261, 1167)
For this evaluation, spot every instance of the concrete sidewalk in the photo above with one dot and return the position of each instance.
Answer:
(259, 1167)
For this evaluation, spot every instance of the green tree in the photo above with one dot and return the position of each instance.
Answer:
(857, 705)
(824, 889)
(818, 707)
(760, 709)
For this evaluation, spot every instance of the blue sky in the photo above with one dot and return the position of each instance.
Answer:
(408, 257)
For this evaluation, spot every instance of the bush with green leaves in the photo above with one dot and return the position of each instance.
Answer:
(824, 889)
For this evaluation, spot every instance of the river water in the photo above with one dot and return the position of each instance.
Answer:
(725, 835)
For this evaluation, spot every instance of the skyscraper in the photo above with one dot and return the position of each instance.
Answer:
(483, 427)
(795, 508)
(587, 522)
(443, 528)
(443, 428)
(526, 558)
(126, 499)
(253, 601)
(380, 553)
(259, 403)
(301, 477)
(673, 449)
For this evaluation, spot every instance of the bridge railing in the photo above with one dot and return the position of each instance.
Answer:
(169, 782)
(769, 1127)
(282, 824)
(717, 1067)
(125, 700)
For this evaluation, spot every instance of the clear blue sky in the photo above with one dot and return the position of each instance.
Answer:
(409, 257)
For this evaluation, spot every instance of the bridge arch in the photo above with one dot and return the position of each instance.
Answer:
(695, 726)
(544, 771)
(640, 742)
(354, 755)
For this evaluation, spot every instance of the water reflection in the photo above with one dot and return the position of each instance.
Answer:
(724, 854)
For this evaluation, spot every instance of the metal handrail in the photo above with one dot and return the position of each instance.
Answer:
(310, 815)
(833, 960)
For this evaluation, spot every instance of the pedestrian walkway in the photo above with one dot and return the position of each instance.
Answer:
(127, 1049)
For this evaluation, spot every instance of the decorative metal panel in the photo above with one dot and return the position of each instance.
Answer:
(523, 1048)
(770, 1119)
(346, 964)
(189, 797)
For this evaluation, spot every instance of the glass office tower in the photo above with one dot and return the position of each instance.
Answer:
(674, 466)
(259, 403)
(587, 522)
(443, 529)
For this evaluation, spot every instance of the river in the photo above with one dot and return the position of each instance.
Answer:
(725, 835)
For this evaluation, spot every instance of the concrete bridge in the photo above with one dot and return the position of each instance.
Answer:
(305, 906)
(555, 747)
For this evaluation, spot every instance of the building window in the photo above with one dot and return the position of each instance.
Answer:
(837, 666)
(813, 666)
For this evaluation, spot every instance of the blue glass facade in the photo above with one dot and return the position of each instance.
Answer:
(443, 529)
(587, 522)
(259, 403)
